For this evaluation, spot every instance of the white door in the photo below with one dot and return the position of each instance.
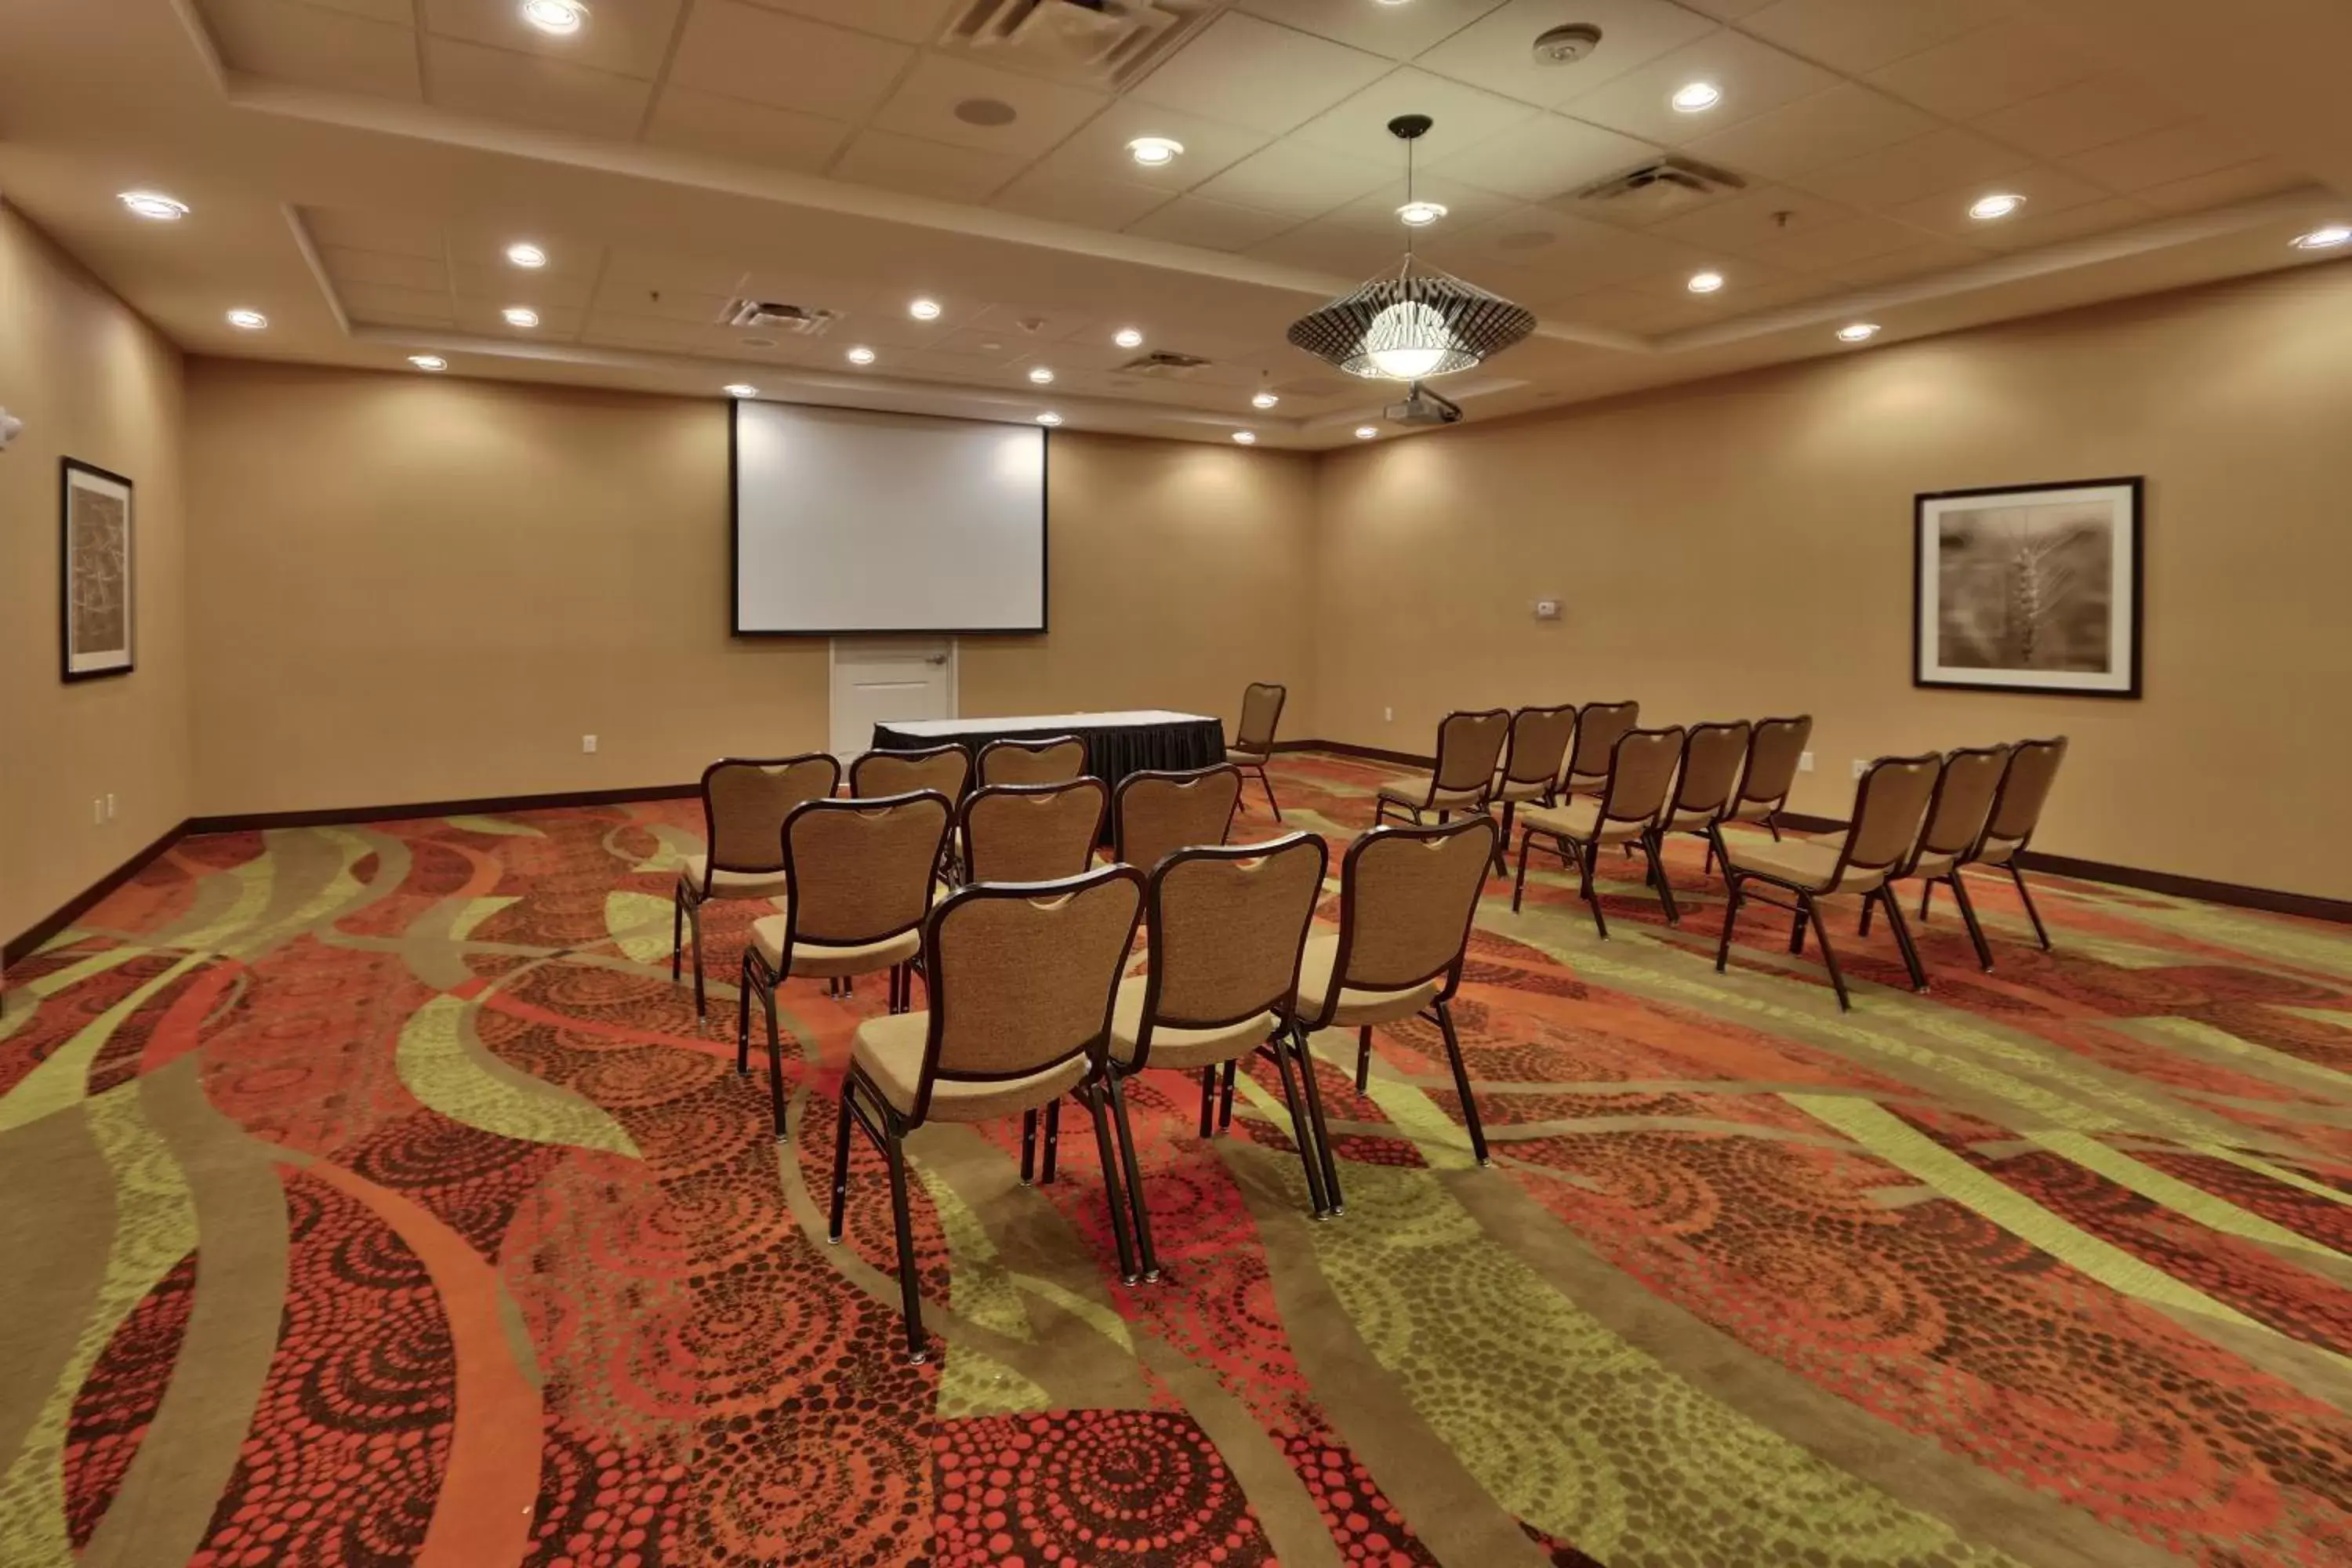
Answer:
(877, 681)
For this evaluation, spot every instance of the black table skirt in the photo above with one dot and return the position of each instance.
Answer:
(1112, 752)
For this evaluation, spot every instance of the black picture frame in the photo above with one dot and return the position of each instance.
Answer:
(2124, 600)
(73, 666)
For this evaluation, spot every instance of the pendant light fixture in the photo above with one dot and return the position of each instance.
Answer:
(1417, 322)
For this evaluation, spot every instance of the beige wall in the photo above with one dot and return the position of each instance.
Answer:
(91, 381)
(413, 588)
(1743, 547)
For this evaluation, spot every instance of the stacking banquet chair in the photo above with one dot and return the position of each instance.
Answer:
(1627, 810)
(1254, 740)
(1407, 897)
(1057, 760)
(1152, 815)
(1956, 814)
(1468, 744)
(744, 803)
(1031, 833)
(946, 769)
(1533, 756)
(1022, 977)
(1598, 727)
(1889, 805)
(1225, 930)
(2016, 812)
(1707, 781)
(858, 877)
(1775, 748)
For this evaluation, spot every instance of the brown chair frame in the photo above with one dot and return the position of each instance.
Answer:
(1771, 820)
(1005, 743)
(1921, 850)
(989, 791)
(1571, 781)
(685, 903)
(1264, 753)
(1485, 783)
(1186, 776)
(2018, 848)
(1586, 855)
(857, 768)
(1513, 762)
(1717, 814)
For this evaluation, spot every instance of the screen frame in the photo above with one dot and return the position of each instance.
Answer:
(735, 540)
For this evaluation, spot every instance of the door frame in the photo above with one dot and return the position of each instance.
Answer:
(833, 661)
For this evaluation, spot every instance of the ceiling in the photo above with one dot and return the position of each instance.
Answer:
(356, 170)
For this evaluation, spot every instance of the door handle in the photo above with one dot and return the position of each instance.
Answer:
(937, 658)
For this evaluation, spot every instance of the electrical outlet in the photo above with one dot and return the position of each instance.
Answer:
(587, 742)
(1860, 767)
(1804, 761)
(1387, 715)
(110, 808)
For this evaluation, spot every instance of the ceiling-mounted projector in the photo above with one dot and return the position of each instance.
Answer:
(1422, 407)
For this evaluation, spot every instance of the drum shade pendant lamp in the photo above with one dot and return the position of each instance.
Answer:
(1416, 322)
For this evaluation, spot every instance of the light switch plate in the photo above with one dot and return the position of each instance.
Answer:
(1547, 609)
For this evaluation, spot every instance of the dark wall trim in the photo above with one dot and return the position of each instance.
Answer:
(26, 943)
(483, 805)
(1371, 753)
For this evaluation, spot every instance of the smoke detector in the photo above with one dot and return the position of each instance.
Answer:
(1567, 44)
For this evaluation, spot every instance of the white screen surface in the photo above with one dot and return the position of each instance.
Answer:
(852, 521)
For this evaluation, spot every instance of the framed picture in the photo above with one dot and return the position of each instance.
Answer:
(100, 616)
(2029, 588)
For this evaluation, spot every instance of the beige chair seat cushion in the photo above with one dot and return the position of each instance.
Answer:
(890, 1049)
(1800, 864)
(1356, 1007)
(1522, 790)
(1577, 820)
(1757, 810)
(1689, 821)
(1244, 757)
(1930, 865)
(1584, 784)
(1173, 1047)
(823, 961)
(1416, 792)
(731, 884)
(1998, 851)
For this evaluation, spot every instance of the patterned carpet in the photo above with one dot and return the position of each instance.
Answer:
(376, 1199)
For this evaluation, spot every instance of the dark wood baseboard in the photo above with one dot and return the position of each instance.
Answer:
(27, 942)
(483, 805)
(1369, 753)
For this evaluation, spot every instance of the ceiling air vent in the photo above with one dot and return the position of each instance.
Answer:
(767, 314)
(1668, 185)
(1101, 43)
(1163, 363)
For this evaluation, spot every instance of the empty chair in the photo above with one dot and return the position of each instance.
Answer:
(1254, 737)
(1407, 896)
(1533, 755)
(1956, 814)
(1889, 805)
(1031, 833)
(1022, 977)
(1057, 760)
(1155, 814)
(946, 769)
(1627, 810)
(857, 880)
(1225, 928)
(2016, 812)
(1598, 726)
(1468, 744)
(1708, 780)
(1775, 748)
(744, 802)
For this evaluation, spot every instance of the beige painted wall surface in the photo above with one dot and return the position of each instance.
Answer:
(91, 381)
(1744, 548)
(413, 588)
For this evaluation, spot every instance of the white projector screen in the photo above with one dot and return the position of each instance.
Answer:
(849, 523)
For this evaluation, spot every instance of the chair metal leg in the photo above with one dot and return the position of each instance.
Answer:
(840, 1164)
(1773, 822)
(1052, 1140)
(694, 919)
(1225, 1096)
(1137, 1214)
(1520, 886)
(1829, 957)
(1502, 841)
(1267, 785)
(1462, 1084)
(2025, 895)
(1656, 847)
(1029, 1147)
(1869, 905)
(1364, 1059)
(676, 930)
(1209, 1101)
(1316, 1122)
(1295, 1099)
(775, 1060)
(910, 1295)
(1589, 864)
(743, 1018)
(1797, 928)
(1928, 893)
(1903, 937)
(1968, 919)
(1730, 918)
(1092, 1101)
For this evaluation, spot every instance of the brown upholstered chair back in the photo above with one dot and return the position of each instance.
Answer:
(860, 870)
(1889, 809)
(1598, 726)
(1539, 744)
(1963, 800)
(1155, 814)
(1712, 756)
(1406, 898)
(1032, 833)
(1641, 774)
(2025, 789)
(745, 801)
(1261, 711)
(946, 769)
(1774, 750)
(1022, 978)
(1227, 926)
(1055, 761)
(1468, 745)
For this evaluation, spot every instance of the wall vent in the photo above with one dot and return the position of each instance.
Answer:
(801, 320)
(1099, 43)
(1163, 365)
(1666, 185)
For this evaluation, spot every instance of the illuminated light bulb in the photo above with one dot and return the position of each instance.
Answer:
(154, 205)
(1415, 336)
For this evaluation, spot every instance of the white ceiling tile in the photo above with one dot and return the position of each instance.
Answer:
(1980, 72)
(1858, 35)
(2093, 113)
(942, 100)
(1919, 260)
(1753, 77)
(984, 343)
(690, 120)
(314, 47)
(1213, 225)
(1939, 160)
(1754, 224)
(532, 90)
(373, 231)
(373, 301)
(504, 286)
(399, 13)
(909, 21)
(1618, 309)
(922, 168)
(346, 266)
(1845, 122)
(1098, 149)
(2046, 190)
(1465, 116)
(620, 329)
(1838, 243)
(556, 322)
(663, 300)
(1547, 156)
(2159, 158)
(1030, 330)
(1497, 52)
(745, 52)
(1335, 247)
(1727, 10)
(1081, 199)
(1463, 204)
(663, 270)
(2241, 183)
(2079, 220)
(1241, 71)
(1300, 181)
(1396, 32)
(1570, 252)
(627, 38)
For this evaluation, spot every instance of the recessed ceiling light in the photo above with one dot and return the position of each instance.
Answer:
(1860, 332)
(924, 309)
(740, 389)
(1246, 438)
(1127, 338)
(1367, 432)
(1984, 209)
(562, 17)
(1704, 282)
(1155, 151)
(861, 355)
(247, 321)
(1420, 215)
(2326, 238)
(526, 256)
(520, 316)
(1265, 400)
(429, 362)
(154, 205)
(1042, 375)
(1695, 97)
(1049, 419)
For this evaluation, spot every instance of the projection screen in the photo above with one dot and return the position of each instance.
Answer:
(851, 522)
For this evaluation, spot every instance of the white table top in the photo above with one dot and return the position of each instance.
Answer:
(1133, 718)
